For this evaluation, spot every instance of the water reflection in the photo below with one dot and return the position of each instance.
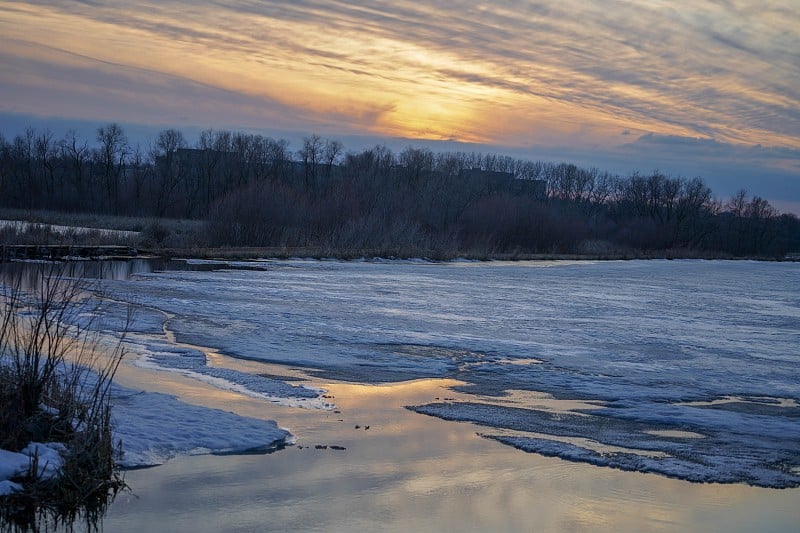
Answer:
(23, 514)
(29, 272)
(412, 472)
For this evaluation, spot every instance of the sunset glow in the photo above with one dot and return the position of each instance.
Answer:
(566, 74)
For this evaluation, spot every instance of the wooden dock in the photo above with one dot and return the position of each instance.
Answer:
(59, 252)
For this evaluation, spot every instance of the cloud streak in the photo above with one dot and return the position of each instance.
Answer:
(575, 72)
(722, 70)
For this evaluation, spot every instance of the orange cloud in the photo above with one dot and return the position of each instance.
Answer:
(515, 75)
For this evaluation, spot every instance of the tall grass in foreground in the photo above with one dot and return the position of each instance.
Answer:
(55, 387)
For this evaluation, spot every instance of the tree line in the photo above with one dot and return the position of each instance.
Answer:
(255, 191)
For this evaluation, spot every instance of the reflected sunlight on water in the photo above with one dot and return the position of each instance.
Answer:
(414, 472)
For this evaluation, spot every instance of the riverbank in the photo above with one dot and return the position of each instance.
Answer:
(117, 252)
(254, 253)
(174, 238)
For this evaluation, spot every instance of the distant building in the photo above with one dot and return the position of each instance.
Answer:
(493, 182)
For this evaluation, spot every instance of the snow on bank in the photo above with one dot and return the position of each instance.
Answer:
(13, 465)
(9, 487)
(156, 427)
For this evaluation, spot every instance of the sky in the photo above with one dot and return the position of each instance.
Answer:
(707, 88)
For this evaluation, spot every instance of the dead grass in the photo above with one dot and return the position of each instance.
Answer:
(56, 228)
(55, 387)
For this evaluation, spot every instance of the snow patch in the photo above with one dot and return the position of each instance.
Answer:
(49, 460)
(156, 427)
(9, 487)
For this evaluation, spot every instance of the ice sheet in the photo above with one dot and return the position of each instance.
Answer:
(644, 339)
(156, 427)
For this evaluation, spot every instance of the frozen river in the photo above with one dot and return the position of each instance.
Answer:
(684, 370)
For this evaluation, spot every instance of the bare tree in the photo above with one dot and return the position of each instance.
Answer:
(310, 154)
(331, 152)
(112, 154)
(76, 154)
(417, 162)
(6, 161)
(277, 154)
(170, 168)
(46, 151)
(24, 175)
(738, 203)
(141, 172)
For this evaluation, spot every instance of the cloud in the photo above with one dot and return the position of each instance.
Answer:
(711, 149)
(576, 74)
(81, 88)
(771, 172)
(720, 70)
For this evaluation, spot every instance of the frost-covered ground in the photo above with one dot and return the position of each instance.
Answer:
(684, 368)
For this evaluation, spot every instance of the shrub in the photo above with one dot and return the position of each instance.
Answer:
(55, 387)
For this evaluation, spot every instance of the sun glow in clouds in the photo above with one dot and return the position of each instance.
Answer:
(571, 73)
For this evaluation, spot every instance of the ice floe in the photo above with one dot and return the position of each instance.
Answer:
(154, 428)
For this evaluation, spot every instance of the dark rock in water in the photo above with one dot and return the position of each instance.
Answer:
(334, 447)
(321, 447)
